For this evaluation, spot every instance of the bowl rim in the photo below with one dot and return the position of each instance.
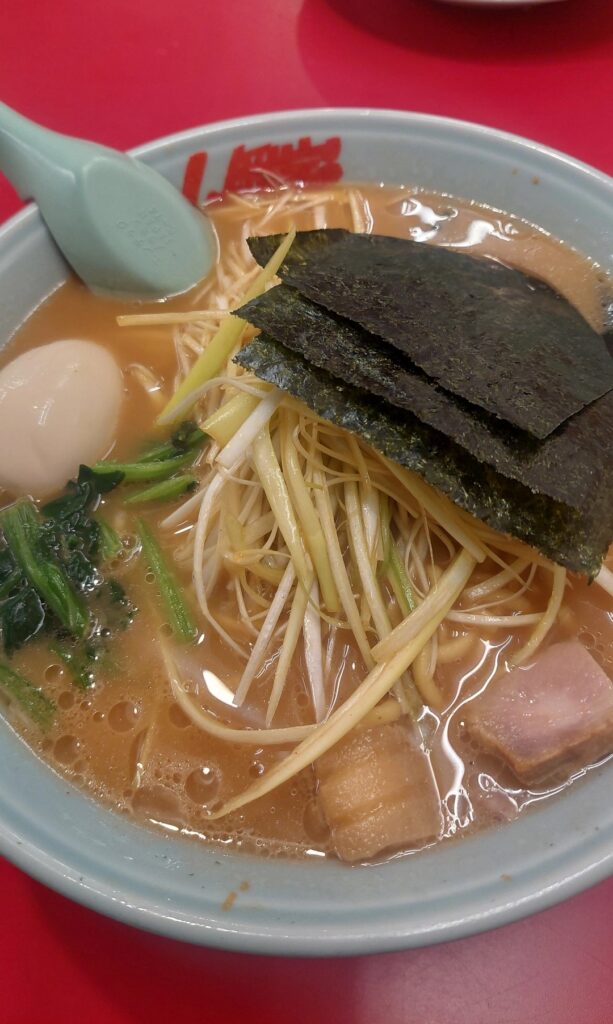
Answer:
(590, 865)
(386, 114)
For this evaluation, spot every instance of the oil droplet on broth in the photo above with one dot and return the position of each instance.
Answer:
(123, 716)
(202, 784)
(159, 803)
(177, 717)
(53, 673)
(66, 749)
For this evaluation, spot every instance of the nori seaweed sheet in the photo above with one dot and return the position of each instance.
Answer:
(496, 337)
(572, 465)
(574, 539)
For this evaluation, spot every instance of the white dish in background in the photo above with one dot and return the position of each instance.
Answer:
(178, 888)
(498, 3)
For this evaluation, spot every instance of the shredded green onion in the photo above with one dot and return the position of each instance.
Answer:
(228, 336)
(226, 421)
(275, 488)
(393, 566)
(309, 520)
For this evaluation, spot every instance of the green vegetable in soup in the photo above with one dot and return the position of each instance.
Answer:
(187, 437)
(32, 549)
(142, 472)
(78, 539)
(22, 614)
(80, 662)
(32, 700)
(52, 561)
(110, 544)
(169, 590)
(51, 579)
(166, 490)
(160, 461)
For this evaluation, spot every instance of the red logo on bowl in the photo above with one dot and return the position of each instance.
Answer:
(303, 162)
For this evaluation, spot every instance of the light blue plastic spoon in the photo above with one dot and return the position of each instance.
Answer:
(122, 227)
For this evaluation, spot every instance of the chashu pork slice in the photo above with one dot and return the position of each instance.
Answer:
(378, 793)
(548, 718)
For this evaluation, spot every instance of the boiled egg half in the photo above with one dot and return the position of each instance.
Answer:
(59, 407)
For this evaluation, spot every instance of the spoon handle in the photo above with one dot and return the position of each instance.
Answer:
(29, 153)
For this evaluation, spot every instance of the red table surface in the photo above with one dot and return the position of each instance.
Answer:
(124, 72)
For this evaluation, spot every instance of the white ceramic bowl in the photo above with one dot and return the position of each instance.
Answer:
(178, 887)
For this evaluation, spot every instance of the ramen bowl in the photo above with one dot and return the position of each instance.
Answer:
(213, 895)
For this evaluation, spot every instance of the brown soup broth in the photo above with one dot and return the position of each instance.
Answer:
(126, 741)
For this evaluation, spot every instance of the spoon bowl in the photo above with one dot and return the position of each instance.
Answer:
(122, 226)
